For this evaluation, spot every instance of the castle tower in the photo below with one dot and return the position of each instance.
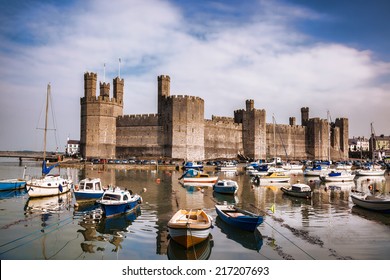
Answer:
(292, 121)
(342, 124)
(105, 90)
(318, 138)
(90, 85)
(183, 127)
(98, 119)
(118, 89)
(163, 90)
(304, 115)
(254, 131)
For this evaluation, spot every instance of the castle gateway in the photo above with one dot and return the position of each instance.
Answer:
(180, 131)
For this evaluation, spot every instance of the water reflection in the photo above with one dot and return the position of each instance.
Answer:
(12, 193)
(48, 205)
(201, 251)
(248, 240)
(113, 230)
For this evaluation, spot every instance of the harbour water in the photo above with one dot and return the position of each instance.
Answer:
(326, 227)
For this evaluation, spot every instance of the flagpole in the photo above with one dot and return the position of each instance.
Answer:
(119, 70)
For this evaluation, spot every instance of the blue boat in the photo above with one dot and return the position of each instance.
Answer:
(12, 184)
(226, 186)
(116, 202)
(88, 189)
(193, 165)
(239, 218)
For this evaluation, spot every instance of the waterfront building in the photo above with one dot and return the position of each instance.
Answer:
(72, 147)
(380, 146)
(179, 129)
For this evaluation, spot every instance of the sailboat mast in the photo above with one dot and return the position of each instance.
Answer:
(372, 142)
(46, 113)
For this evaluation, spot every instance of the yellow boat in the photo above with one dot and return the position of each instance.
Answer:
(272, 177)
(189, 228)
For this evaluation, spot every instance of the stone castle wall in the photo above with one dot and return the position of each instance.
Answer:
(179, 129)
(222, 138)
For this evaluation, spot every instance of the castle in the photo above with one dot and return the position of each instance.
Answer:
(180, 131)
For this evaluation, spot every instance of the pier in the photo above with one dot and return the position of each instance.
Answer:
(29, 155)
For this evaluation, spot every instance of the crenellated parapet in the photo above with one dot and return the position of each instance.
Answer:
(137, 120)
(185, 98)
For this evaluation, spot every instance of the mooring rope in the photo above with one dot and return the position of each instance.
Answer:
(34, 233)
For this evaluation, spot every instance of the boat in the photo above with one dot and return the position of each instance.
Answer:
(193, 165)
(227, 166)
(239, 218)
(369, 170)
(197, 176)
(336, 176)
(274, 177)
(298, 190)
(316, 170)
(116, 201)
(200, 251)
(189, 227)
(48, 185)
(13, 184)
(88, 189)
(371, 202)
(225, 186)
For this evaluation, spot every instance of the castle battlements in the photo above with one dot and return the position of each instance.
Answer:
(179, 129)
(186, 98)
(137, 120)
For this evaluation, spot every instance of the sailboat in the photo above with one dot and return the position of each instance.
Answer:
(370, 169)
(47, 185)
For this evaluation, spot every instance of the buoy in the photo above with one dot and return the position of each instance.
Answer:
(144, 189)
(158, 180)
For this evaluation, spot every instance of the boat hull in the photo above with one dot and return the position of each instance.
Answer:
(200, 179)
(304, 194)
(113, 208)
(237, 219)
(12, 184)
(225, 189)
(85, 195)
(48, 186)
(189, 228)
(375, 204)
(370, 172)
(337, 178)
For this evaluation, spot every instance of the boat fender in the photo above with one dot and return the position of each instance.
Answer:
(60, 187)
(76, 187)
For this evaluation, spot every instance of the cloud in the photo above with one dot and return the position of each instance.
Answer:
(221, 54)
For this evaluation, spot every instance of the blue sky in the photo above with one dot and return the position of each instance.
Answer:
(325, 55)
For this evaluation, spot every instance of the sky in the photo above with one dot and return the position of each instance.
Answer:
(329, 55)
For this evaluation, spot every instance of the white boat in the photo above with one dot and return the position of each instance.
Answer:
(293, 166)
(336, 176)
(316, 171)
(197, 176)
(272, 177)
(370, 171)
(227, 166)
(298, 190)
(116, 201)
(226, 186)
(47, 185)
(189, 227)
(371, 202)
(88, 189)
